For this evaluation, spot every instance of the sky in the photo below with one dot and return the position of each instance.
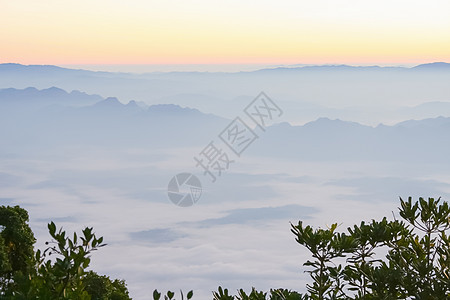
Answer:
(224, 32)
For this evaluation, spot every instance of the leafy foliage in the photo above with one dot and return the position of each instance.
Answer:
(63, 278)
(170, 295)
(416, 265)
(16, 246)
(101, 287)
(274, 294)
(222, 294)
(58, 272)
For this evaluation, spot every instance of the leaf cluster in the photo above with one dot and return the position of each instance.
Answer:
(416, 265)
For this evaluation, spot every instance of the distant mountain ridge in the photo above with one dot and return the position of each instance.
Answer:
(48, 69)
(426, 140)
(53, 95)
(440, 66)
(53, 117)
(436, 66)
(56, 96)
(222, 93)
(57, 122)
(15, 67)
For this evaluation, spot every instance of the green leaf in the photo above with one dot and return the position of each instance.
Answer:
(170, 294)
(156, 295)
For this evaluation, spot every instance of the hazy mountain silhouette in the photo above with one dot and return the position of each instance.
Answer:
(56, 121)
(60, 119)
(32, 97)
(12, 68)
(436, 66)
(331, 87)
(335, 140)
(428, 66)
(428, 109)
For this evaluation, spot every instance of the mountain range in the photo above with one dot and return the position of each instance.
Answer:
(339, 91)
(52, 117)
(33, 119)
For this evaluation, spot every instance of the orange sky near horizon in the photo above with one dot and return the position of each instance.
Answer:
(217, 32)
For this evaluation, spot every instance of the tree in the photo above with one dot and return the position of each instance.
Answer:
(63, 277)
(16, 246)
(58, 272)
(416, 265)
(101, 287)
(273, 294)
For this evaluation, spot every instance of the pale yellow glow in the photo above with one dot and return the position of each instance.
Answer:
(200, 31)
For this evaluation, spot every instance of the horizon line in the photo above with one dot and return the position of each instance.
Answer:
(211, 68)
